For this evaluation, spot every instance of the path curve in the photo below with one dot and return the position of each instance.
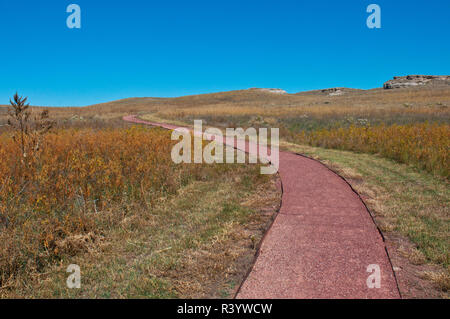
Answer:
(321, 242)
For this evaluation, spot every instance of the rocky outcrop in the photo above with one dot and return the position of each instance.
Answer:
(416, 80)
(334, 91)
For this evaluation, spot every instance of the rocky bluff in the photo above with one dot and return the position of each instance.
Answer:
(416, 80)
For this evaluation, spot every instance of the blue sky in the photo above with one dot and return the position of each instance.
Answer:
(172, 48)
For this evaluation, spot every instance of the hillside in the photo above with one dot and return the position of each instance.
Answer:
(390, 144)
(414, 90)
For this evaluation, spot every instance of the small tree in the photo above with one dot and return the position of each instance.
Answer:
(28, 132)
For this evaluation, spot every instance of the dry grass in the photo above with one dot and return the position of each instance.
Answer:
(53, 195)
(112, 198)
(226, 110)
(441, 279)
(424, 145)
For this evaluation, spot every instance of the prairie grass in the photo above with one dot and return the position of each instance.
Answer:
(53, 196)
(327, 111)
(423, 145)
(87, 188)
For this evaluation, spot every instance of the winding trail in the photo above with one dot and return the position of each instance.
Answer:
(321, 242)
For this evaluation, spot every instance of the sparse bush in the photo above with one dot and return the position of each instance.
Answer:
(28, 132)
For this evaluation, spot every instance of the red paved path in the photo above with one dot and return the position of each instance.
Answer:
(321, 242)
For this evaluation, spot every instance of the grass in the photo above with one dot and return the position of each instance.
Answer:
(113, 202)
(422, 144)
(410, 204)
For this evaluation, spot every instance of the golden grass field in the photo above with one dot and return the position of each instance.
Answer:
(425, 145)
(391, 145)
(91, 195)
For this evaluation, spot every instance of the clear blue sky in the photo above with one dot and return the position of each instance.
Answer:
(129, 48)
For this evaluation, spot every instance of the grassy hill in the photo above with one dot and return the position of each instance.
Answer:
(391, 145)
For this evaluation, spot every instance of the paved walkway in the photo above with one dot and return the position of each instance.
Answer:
(321, 242)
